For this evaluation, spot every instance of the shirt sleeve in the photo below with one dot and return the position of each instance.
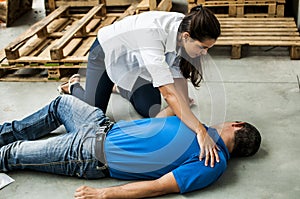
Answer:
(195, 175)
(153, 58)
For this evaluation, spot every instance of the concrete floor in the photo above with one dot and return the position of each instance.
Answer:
(260, 88)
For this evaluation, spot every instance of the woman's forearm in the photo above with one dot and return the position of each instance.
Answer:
(181, 108)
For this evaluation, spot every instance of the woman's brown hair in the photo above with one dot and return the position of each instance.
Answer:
(201, 24)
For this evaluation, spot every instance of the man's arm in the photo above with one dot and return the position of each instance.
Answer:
(164, 185)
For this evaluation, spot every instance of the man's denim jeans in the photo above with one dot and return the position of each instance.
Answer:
(70, 154)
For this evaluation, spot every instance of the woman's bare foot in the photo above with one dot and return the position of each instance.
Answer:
(115, 89)
(64, 88)
(191, 102)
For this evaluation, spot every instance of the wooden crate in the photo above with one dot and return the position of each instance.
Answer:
(239, 32)
(245, 8)
(10, 10)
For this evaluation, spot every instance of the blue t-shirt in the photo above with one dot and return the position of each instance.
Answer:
(150, 148)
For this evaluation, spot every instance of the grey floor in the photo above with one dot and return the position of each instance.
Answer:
(261, 88)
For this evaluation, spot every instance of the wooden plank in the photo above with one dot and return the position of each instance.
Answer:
(258, 19)
(105, 22)
(57, 51)
(51, 4)
(85, 47)
(45, 60)
(288, 23)
(31, 45)
(121, 2)
(54, 73)
(3, 11)
(262, 33)
(71, 46)
(280, 10)
(89, 3)
(272, 9)
(236, 51)
(41, 48)
(257, 43)
(295, 52)
(164, 5)
(232, 11)
(2, 55)
(270, 29)
(145, 5)
(45, 54)
(250, 23)
(57, 24)
(260, 38)
(92, 25)
(131, 10)
(152, 4)
(239, 2)
(265, 26)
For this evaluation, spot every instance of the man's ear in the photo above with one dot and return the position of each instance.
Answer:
(238, 125)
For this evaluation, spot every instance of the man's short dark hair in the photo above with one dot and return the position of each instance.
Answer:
(246, 141)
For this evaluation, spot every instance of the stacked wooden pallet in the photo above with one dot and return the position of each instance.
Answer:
(61, 41)
(10, 10)
(260, 28)
(112, 5)
(244, 8)
(238, 32)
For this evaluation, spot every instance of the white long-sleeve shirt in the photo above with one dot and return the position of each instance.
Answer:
(142, 45)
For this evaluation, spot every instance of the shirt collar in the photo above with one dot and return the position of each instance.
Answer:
(213, 133)
(172, 37)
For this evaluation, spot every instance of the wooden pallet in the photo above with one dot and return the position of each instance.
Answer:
(238, 32)
(61, 41)
(112, 5)
(58, 42)
(10, 10)
(245, 8)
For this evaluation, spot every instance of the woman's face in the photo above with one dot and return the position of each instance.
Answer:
(195, 48)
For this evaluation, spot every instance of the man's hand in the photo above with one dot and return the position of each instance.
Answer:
(85, 192)
(209, 150)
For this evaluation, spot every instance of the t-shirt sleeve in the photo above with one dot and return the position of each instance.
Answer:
(195, 175)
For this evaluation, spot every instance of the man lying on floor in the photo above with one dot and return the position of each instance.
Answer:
(162, 152)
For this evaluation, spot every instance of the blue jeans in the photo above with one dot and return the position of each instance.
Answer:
(71, 153)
